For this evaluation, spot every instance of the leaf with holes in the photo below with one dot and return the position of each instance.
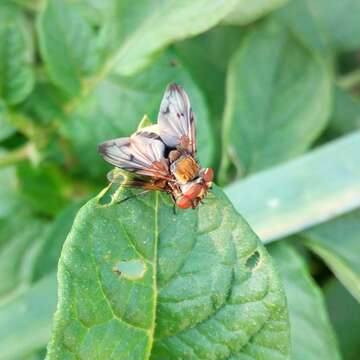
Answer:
(138, 281)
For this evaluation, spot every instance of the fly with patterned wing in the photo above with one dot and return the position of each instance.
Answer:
(163, 156)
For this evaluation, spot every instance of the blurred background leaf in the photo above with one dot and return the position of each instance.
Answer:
(27, 317)
(68, 55)
(16, 55)
(269, 110)
(6, 129)
(337, 242)
(320, 23)
(344, 314)
(312, 335)
(346, 114)
(324, 183)
(247, 11)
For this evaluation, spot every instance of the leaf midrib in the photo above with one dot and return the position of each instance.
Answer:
(155, 290)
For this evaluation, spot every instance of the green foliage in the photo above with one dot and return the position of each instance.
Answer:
(346, 114)
(72, 42)
(275, 210)
(6, 129)
(16, 72)
(274, 85)
(196, 285)
(312, 335)
(263, 123)
(43, 188)
(326, 25)
(8, 193)
(19, 318)
(247, 11)
(17, 250)
(339, 301)
(48, 255)
(337, 243)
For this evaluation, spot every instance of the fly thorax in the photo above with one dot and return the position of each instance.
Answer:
(185, 169)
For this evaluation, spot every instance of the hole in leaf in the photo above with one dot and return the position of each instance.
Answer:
(252, 261)
(132, 269)
(107, 197)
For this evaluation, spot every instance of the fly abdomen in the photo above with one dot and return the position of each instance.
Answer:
(185, 169)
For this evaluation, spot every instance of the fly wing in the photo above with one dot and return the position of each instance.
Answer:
(142, 154)
(176, 120)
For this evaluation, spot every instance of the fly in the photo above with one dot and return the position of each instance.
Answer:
(163, 156)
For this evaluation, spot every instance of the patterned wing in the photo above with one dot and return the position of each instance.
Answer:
(142, 154)
(176, 120)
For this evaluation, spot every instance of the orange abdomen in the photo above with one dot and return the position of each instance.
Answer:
(185, 169)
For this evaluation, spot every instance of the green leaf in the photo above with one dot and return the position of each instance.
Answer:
(6, 129)
(122, 46)
(209, 53)
(33, 5)
(155, 25)
(195, 278)
(337, 243)
(43, 187)
(48, 256)
(299, 16)
(311, 332)
(117, 105)
(325, 24)
(66, 44)
(271, 113)
(37, 355)
(346, 114)
(93, 11)
(246, 12)
(20, 237)
(345, 316)
(26, 317)
(16, 74)
(45, 103)
(8, 191)
(301, 193)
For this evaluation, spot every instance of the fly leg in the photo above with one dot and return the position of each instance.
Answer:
(174, 203)
(133, 196)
